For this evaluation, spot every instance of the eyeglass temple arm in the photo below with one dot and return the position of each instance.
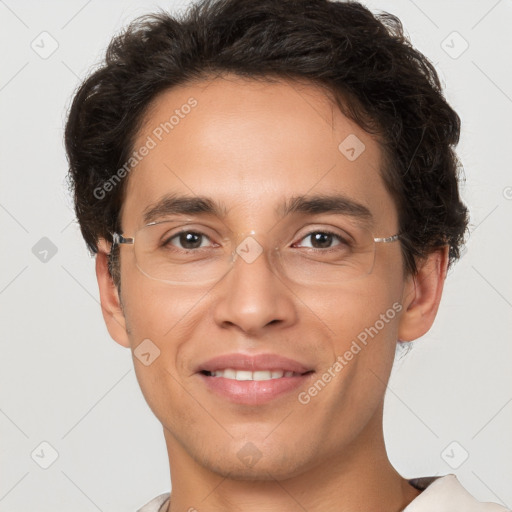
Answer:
(388, 239)
(120, 239)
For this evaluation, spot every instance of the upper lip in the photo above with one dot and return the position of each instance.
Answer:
(260, 362)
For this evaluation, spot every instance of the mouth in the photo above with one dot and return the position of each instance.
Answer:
(253, 379)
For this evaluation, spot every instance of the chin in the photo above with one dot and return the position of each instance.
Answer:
(261, 468)
(268, 472)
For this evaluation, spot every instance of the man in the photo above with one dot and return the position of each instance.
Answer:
(270, 189)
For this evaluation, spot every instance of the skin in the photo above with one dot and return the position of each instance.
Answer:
(249, 145)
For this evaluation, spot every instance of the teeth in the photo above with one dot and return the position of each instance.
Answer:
(229, 373)
(242, 375)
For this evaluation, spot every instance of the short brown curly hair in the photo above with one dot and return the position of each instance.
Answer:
(365, 61)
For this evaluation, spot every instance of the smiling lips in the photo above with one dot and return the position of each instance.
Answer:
(246, 379)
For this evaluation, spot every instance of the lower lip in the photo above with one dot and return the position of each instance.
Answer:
(254, 392)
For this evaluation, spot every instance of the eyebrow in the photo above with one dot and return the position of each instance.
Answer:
(326, 203)
(312, 205)
(182, 205)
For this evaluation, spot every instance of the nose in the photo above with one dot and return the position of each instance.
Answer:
(253, 296)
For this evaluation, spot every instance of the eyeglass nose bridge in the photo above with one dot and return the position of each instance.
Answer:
(249, 249)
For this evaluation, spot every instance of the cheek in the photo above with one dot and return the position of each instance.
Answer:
(348, 311)
(154, 310)
(363, 323)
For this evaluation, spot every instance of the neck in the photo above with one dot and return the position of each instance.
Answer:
(357, 478)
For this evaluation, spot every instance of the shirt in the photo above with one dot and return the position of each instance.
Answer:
(439, 494)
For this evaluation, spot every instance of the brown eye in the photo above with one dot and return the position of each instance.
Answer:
(188, 240)
(321, 240)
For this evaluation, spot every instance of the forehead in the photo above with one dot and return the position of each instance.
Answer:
(250, 145)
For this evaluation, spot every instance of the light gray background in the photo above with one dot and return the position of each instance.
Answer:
(63, 381)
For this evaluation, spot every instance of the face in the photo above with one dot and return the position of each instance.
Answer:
(250, 148)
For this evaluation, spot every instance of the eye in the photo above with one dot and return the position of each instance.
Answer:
(188, 240)
(322, 240)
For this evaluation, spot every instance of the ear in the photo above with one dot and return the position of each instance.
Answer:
(109, 297)
(422, 295)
